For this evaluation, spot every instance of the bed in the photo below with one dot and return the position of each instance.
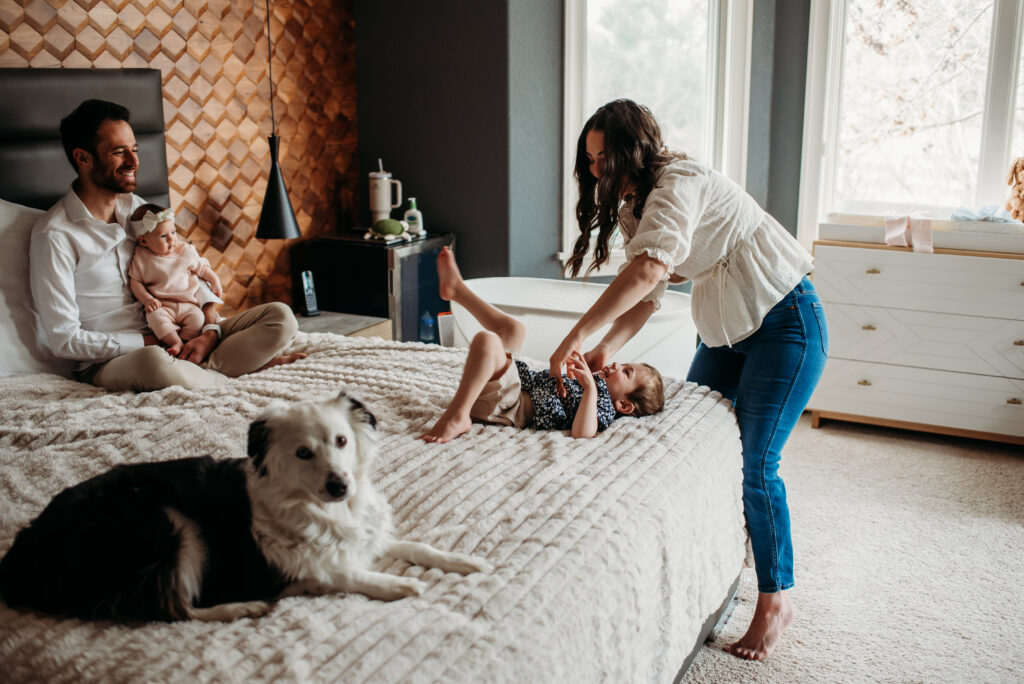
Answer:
(614, 557)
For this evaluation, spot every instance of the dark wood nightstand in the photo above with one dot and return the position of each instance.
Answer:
(352, 325)
(397, 281)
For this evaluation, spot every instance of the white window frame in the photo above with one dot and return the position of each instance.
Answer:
(730, 24)
(822, 108)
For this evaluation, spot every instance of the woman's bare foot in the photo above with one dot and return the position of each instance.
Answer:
(773, 614)
(448, 427)
(281, 360)
(448, 274)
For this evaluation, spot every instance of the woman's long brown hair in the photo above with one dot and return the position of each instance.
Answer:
(633, 153)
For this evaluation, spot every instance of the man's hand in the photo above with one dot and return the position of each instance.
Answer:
(198, 348)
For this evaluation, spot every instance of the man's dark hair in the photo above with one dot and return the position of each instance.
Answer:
(78, 129)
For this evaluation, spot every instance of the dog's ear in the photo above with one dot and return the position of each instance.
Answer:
(364, 412)
(259, 441)
(359, 409)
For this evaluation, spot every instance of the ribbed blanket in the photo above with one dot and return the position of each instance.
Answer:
(609, 553)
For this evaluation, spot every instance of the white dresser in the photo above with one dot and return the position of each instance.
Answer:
(929, 342)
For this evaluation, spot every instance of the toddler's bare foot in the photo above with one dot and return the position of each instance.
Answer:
(448, 427)
(448, 274)
(281, 360)
(175, 348)
(772, 616)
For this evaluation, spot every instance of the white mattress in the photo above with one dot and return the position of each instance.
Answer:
(610, 553)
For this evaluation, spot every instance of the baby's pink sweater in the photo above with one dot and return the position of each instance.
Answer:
(169, 276)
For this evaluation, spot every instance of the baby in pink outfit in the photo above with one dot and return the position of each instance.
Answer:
(164, 277)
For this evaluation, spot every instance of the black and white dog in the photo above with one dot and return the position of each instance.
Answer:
(209, 539)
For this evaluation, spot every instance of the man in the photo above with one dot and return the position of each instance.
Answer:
(79, 258)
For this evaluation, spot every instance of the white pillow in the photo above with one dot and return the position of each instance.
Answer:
(21, 342)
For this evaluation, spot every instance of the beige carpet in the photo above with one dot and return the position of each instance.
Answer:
(909, 551)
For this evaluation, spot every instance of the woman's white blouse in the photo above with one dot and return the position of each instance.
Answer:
(707, 229)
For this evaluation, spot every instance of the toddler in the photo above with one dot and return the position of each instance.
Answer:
(164, 277)
(496, 388)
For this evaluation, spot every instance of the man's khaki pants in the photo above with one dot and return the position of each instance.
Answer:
(249, 341)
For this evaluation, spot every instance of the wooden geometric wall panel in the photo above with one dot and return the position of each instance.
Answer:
(213, 58)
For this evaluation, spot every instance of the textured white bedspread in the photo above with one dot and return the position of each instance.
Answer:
(609, 553)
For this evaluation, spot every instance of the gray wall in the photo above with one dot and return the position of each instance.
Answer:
(463, 101)
(433, 103)
(777, 81)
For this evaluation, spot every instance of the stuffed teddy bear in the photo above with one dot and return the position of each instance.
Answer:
(1015, 205)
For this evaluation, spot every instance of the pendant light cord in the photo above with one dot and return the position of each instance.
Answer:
(270, 74)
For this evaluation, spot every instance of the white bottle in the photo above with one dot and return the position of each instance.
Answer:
(414, 218)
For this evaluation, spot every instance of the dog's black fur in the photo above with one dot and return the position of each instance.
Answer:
(106, 549)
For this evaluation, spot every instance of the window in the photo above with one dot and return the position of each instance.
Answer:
(910, 107)
(685, 59)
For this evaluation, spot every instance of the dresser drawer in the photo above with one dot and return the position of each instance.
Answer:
(924, 339)
(918, 395)
(951, 283)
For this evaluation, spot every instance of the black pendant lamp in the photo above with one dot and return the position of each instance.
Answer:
(277, 219)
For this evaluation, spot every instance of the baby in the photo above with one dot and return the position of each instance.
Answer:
(496, 388)
(164, 277)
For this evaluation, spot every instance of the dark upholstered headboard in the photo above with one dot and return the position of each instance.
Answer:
(33, 168)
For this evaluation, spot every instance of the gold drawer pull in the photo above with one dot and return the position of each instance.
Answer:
(1013, 400)
(1018, 343)
(873, 271)
(864, 382)
(867, 327)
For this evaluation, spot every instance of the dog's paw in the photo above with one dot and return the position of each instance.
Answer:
(467, 565)
(248, 609)
(225, 612)
(402, 587)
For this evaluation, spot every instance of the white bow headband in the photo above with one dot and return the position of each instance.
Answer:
(150, 221)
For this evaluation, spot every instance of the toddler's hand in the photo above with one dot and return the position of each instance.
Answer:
(215, 286)
(152, 305)
(577, 369)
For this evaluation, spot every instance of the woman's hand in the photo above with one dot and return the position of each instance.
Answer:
(598, 357)
(570, 346)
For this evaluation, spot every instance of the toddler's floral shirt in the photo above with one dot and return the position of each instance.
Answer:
(552, 412)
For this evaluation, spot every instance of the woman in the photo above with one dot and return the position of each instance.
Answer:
(762, 327)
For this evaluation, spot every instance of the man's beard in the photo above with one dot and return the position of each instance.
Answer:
(109, 179)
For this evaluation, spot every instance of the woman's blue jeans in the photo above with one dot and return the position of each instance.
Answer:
(769, 377)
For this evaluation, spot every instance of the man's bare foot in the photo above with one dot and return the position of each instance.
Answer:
(448, 427)
(448, 274)
(772, 616)
(281, 360)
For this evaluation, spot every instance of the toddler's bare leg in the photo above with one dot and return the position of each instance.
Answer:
(486, 361)
(511, 330)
